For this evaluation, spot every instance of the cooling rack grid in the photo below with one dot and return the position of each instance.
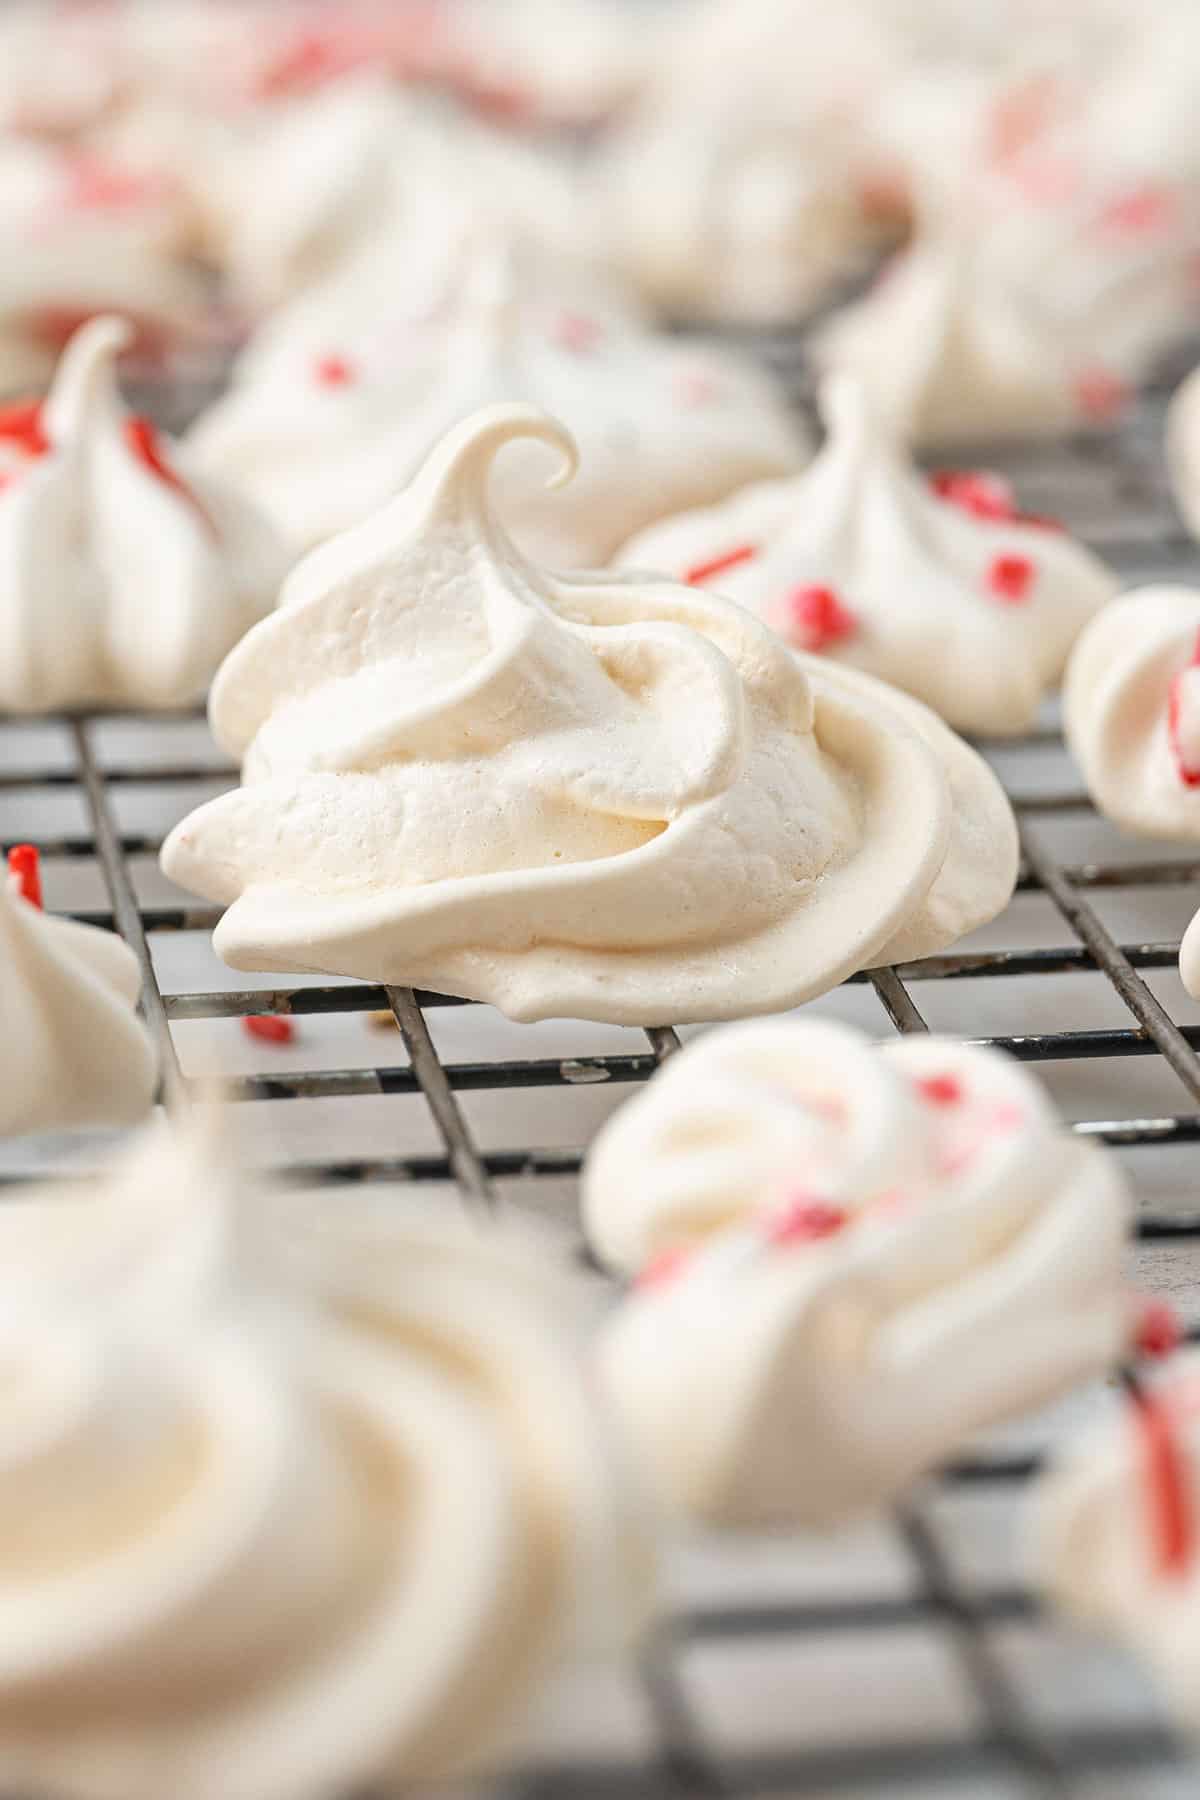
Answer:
(908, 1657)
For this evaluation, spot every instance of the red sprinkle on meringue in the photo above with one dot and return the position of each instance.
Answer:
(1143, 211)
(334, 371)
(143, 440)
(1010, 578)
(94, 185)
(576, 332)
(25, 873)
(1158, 1331)
(664, 1268)
(1165, 1477)
(816, 618)
(272, 1028)
(941, 1090)
(1099, 394)
(717, 565)
(1189, 773)
(22, 425)
(975, 491)
(805, 1221)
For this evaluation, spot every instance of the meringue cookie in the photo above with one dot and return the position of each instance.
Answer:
(84, 235)
(292, 1542)
(948, 594)
(1131, 711)
(320, 443)
(738, 188)
(74, 1052)
(1107, 1552)
(861, 1257)
(123, 578)
(668, 818)
(952, 353)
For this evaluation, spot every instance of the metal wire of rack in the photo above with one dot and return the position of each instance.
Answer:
(998, 1738)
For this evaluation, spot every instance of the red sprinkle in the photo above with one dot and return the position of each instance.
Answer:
(25, 868)
(574, 331)
(732, 559)
(22, 424)
(817, 618)
(96, 185)
(1143, 210)
(805, 1221)
(1172, 1521)
(940, 1090)
(1158, 1331)
(663, 1269)
(1099, 394)
(975, 491)
(1189, 774)
(334, 371)
(272, 1028)
(143, 440)
(1010, 578)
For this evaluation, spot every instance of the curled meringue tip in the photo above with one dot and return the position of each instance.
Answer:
(466, 454)
(85, 371)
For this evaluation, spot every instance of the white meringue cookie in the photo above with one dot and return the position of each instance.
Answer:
(321, 443)
(594, 795)
(736, 188)
(950, 595)
(1114, 1534)
(84, 235)
(952, 352)
(284, 1545)
(1131, 711)
(74, 1052)
(864, 1256)
(123, 578)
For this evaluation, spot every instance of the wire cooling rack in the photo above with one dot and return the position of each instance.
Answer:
(905, 1657)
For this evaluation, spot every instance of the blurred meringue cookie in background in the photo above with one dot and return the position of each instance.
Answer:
(599, 796)
(84, 234)
(858, 1258)
(945, 590)
(950, 354)
(286, 1532)
(1131, 711)
(320, 441)
(1115, 1533)
(743, 185)
(556, 62)
(124, 576)
(75, 1053)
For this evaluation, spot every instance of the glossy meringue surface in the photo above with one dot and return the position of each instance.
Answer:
(853, 1259)
(74, 1051)
(320, 440)
(595, 795)
(123, 579)
(944, 590)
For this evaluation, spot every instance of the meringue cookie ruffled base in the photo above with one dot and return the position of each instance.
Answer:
(596, 796)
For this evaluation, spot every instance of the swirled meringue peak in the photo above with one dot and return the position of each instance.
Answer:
(321, 440)
(124, 579)
(853, 1259)
(289, 1537)
(599, 795)
(72, 1050)
(944, 589)
(1131, 711)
